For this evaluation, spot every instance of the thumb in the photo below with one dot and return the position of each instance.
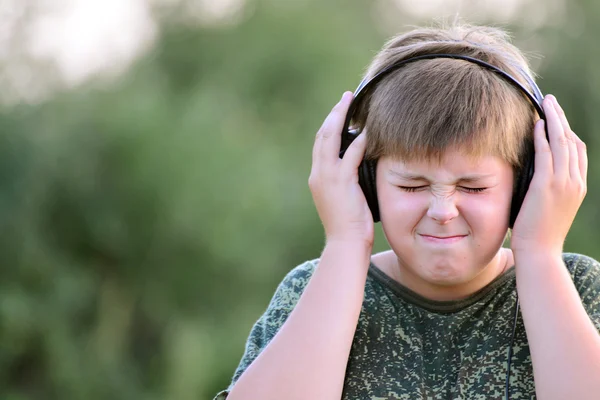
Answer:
(354, 155)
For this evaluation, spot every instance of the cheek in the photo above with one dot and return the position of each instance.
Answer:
(484, 204)
(488, 215)
(401, 209)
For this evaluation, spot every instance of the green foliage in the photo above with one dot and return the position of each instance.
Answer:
(145, 224)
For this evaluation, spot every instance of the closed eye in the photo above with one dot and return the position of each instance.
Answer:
(422, 187)
(412, 188)
(472, 190)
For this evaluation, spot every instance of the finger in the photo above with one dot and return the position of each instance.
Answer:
(316, 151)
(321, 133)
(331, 131)
(574, 171)
(583, 158)
(543, 154)
(354, 156)
(561, 114)
(559, 144)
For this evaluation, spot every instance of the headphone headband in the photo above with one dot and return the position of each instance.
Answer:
(535, 97)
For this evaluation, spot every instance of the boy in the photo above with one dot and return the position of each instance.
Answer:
(434, 317)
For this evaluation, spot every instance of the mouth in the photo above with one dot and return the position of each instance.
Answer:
(442, 239)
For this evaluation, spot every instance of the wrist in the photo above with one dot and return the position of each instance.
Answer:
(536, 256)
(349, 244)
(359, 250)
(535, 248)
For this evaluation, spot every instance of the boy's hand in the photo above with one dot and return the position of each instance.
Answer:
(557, 188)
(333, 182)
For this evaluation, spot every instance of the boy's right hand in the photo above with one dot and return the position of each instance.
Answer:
(333, 182)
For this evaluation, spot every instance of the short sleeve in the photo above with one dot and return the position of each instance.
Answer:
(586, 276)
(283, 302)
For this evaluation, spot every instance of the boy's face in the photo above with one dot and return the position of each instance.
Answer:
(445, 221)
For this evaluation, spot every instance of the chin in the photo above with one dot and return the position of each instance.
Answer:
(445, 274)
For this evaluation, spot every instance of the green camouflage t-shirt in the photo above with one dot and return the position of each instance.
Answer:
(410, 347)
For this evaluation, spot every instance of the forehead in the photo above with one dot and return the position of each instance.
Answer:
(452, 163)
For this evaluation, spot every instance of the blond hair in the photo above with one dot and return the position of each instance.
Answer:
(426, 107)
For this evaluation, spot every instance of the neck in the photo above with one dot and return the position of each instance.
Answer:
(502, 261)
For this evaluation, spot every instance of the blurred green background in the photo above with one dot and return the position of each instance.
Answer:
(154, 184)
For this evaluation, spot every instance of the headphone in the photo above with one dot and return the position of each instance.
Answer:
(367, 168)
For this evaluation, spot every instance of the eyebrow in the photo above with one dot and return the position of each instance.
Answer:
(409, 176)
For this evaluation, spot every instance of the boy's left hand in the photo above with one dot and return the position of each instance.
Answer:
(557, 188)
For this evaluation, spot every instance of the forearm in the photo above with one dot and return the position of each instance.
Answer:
(564, 344)
(307, 358)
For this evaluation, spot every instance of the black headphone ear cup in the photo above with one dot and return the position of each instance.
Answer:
(367, 181)
(366, 173)
(522, 182)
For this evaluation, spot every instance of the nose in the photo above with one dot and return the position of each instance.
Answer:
(442, 209)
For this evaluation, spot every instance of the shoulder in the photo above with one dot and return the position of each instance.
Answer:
(580, 265)
(293, 284)
(585, 272)
(299, 276)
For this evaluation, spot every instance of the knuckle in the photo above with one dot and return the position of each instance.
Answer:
(326, 129)
(327, 134)
(549, 185)
(563, 141)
